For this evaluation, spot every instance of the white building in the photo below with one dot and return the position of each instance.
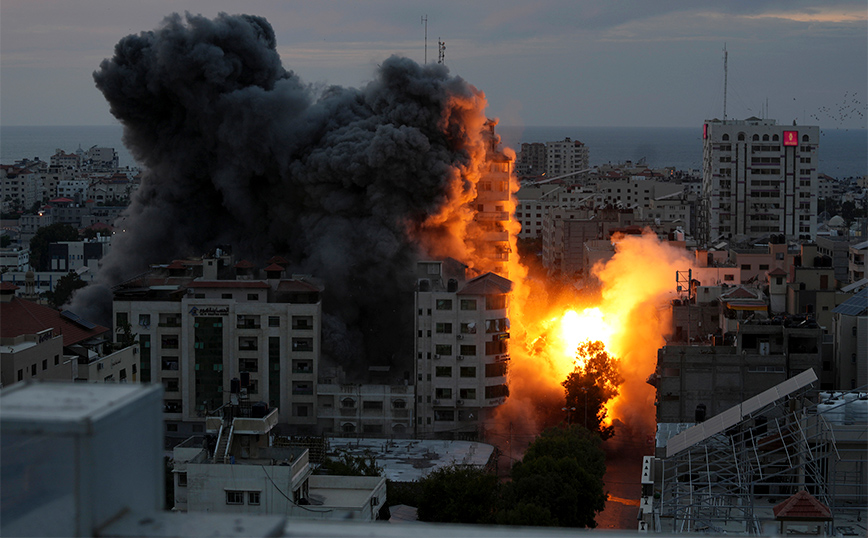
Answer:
(244, 474)
(857, 256)
(197, 334)
(759, 178)
(15, 258)
(462, 336)
(565, 157)
(372, 410)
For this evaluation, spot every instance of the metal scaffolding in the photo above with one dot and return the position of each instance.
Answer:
(772, 445)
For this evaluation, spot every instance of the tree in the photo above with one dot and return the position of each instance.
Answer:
(458, 494)
(64, 289)
(594, 382)
(45, 236)
(349, 465)
(558, 482)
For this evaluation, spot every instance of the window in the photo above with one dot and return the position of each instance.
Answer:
(728, 277)
(495, 369)
(56, 360)
(764, 267)
(444, 304)
(234, 497)
(169, 341)
(32, 369)
(182, 478)
(170, 384)
(274, 321)
(443, 349)
(443, 394)
(444, 328)
(467, 304)
(226, 296)
(745, 267)
(121, 319)
(468, 328)
(467, 371)
(348, 403)
(302, 323)
(302, 344)
(467, 394)
(496, 391)
(495, 302)
(169, 363)
(443, 371)
(446, 415)
(20, 375)
(252, 296)
(45, 364)
(145, 320)
(468, 350)
(248, 343)
(248, 365)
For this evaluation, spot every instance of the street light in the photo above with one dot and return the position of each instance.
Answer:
(568, 410)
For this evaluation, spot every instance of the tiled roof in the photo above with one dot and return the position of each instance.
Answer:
(487, 284)
(8, 286)
(802, 506)
(296, 285)
(229, 284)
(21, 316)
(777, 271)
(244, 264)
(273, 267)
(280, 260)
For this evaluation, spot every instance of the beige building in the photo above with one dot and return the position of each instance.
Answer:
(759, 178)
(566, 157)
(198, 333)
(462, 352)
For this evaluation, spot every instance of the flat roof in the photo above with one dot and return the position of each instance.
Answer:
(408, 460)
(65, 406)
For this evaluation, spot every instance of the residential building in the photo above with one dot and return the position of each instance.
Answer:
(202, 323)
(39, 342)
(371, 410)
(68, 256)
(836, 248)
(244, 473)
(714, 378)
(531, 160)
(97, 158)
(15, 258)
(858, 259)
(462, 353)
(850, 330)
(565, 157)
(759, 178)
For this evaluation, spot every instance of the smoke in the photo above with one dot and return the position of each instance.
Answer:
(340, 181)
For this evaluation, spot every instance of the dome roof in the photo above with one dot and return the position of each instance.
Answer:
(836, 221)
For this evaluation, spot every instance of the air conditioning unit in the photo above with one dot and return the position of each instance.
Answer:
(460, 337)
(459, 357)
(436, 356)
(459, 402)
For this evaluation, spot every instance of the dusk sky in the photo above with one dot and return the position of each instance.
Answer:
(549, 62)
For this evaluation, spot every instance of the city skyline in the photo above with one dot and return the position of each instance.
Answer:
(555, 63)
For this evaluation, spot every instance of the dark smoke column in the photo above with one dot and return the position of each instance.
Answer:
(240, 151)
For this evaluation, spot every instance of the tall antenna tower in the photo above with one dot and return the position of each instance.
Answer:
(441, 51)
(425, 22)
(725, 58)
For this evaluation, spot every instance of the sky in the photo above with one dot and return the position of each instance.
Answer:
(619, 63)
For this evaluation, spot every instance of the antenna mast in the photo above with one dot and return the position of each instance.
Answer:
(441, 51)
(425, 22)
(725, 58)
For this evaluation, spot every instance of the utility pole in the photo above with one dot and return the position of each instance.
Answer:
(725, 58)
(425, 22)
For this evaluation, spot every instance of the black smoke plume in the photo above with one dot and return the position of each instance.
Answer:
(238, 150)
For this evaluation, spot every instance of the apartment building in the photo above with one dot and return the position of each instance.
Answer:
(531, 160)
(759, 178)
(850, 328)
(197, 332)
(462, 353)
(566, 157)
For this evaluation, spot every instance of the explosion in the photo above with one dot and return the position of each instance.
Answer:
(355, 186)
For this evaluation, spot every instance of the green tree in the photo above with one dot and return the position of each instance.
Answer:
(458, 494)
(594, 382)
(64, 289)
(45, 236)
(349, 465)
(5, 241)
(558, 482)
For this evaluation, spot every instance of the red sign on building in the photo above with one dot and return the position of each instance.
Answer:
(791, 138)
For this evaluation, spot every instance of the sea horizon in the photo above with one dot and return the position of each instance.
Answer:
(843, 152)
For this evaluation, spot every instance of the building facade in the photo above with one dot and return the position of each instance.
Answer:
(462, 354)
(759, 178)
